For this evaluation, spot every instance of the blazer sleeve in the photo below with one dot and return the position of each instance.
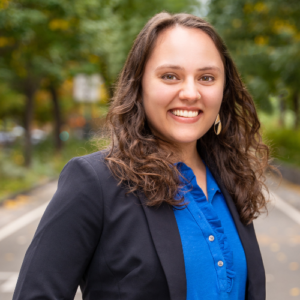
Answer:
(66, 237)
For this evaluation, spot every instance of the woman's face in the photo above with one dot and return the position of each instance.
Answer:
(183, 85)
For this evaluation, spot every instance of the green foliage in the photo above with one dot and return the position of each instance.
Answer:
(264, 38)
(285, 144)
(43, 36)
(12, 102)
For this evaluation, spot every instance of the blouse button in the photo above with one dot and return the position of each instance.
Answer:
(220, 263)
(211, 238)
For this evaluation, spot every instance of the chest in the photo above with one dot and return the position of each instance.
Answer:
(214, 257)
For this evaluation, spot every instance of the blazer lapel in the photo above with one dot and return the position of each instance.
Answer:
(166, 238)
(256, 273)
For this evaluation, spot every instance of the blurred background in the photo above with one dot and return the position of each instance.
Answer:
(59, 60)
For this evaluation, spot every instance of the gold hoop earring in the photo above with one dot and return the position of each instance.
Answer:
(218, 125)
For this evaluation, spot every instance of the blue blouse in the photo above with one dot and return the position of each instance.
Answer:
(215, 262)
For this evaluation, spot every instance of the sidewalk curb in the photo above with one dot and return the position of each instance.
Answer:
(288, 172)
(12, 196)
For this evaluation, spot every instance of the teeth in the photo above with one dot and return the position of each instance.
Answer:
(185, 113)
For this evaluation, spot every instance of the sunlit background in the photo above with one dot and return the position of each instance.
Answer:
(59, 60)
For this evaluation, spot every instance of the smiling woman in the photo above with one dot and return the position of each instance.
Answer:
(166, 212)
(180, 99)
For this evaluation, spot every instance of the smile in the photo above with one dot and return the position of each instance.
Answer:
(185, 113)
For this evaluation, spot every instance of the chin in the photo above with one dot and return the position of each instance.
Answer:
(186, 139)
(179, 136)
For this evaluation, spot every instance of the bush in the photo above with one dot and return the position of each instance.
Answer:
(46, 164)
(284, 143)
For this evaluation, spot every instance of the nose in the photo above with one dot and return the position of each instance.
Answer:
(189, 91)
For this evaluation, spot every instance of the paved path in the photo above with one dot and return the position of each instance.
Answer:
(279, 240)
(278, 235)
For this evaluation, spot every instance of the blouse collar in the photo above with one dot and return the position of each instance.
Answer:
(188, 179)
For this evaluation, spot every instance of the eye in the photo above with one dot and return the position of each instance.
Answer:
(207, 78)
(169, 77)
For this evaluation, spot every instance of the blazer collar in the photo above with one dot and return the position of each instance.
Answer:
(166, 238)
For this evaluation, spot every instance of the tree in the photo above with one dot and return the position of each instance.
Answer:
(264, 39)
(39, 40)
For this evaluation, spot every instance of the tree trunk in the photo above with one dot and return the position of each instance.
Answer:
(57, 118)
(296, 109)
(27, 124)
(281, 110)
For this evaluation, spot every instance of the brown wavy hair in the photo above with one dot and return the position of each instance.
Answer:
(137, 158)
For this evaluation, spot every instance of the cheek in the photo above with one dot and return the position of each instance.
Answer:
(157, 96)
(212, 98)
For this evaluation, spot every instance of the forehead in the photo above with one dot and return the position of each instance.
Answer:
(186, 47)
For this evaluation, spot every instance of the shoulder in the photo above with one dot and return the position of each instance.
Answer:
(93, 163)
(88, 171)
(95, 160)
(82, 186)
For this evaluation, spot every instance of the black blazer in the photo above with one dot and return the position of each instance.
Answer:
(95, 235)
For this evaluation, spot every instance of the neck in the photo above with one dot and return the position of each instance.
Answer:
(186, 153)
(189, 155)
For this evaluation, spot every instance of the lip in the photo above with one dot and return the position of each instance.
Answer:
(186, 108)
(184, 119)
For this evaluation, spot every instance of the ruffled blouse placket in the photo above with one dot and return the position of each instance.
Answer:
(211, 227)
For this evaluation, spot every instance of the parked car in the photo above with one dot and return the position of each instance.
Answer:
(37, 136)
(8, 137)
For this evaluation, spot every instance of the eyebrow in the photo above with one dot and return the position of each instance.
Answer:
(175, 67)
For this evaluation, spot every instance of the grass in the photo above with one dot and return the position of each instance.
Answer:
(285, 145)
(283, 141)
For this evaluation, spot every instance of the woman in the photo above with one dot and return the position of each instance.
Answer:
(167, 211)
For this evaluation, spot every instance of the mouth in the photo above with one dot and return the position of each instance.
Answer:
(185, 113)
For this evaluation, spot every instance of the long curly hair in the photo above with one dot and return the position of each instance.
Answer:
(137, 158)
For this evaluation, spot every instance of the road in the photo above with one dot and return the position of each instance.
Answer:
(278, 235)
